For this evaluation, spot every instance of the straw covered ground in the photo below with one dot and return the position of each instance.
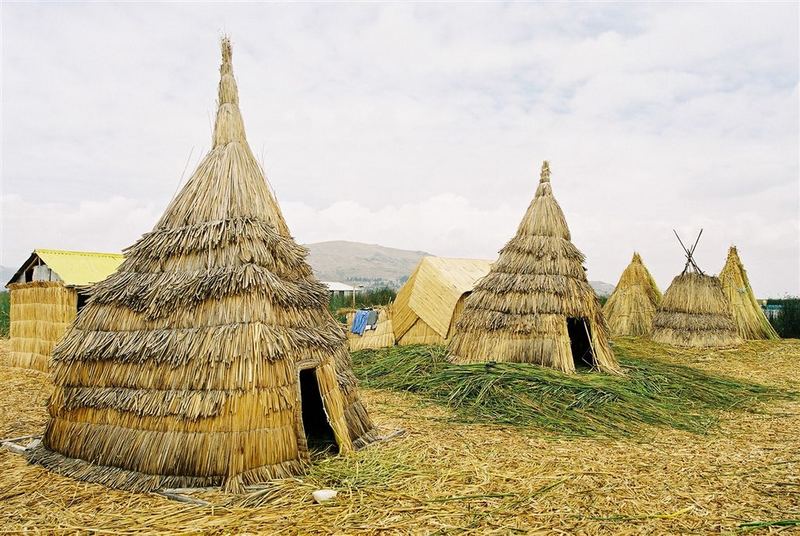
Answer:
(444, 476)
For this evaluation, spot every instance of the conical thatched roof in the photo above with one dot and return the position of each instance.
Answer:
(750, 319)
(535, 305)
(189, 364)
(631, 307)
(694, 311)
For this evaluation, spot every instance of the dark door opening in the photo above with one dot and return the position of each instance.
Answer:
(319, 434)
(82, 299)
(581, 346)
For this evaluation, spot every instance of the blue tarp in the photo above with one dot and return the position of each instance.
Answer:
(360, 322)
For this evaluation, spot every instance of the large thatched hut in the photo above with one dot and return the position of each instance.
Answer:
(694, 311)
(631, 307)
(46, 293)
(536, 305)
(209, 358)
(431, 300)
(747, 314)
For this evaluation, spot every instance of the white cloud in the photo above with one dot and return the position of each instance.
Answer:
(419, 126)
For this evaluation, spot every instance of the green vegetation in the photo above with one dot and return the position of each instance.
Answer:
(584, 404)
(367, 298)
(5, 306)
(787, 321)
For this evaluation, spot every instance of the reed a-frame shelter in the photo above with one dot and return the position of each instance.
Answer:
(430, 302)
(209, 358)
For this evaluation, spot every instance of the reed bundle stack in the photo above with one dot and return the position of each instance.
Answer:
(45, 293)
(747, 313)
(536, 304)
(630, 309)
(209, 358)
(380, 337)
(429, 303)
(694, 311)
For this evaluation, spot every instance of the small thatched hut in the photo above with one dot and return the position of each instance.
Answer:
(747, 314)
(429, 303)
(209, 358)
(694, 311)
(631, 307)
(536, 305)
(46, 293)
(380, 336)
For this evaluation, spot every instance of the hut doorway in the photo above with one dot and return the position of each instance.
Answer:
(579, 342)
(318, 431)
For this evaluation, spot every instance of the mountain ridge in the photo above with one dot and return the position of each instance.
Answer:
(373, 265)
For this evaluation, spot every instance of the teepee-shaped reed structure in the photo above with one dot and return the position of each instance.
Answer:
(631, 307)
(694, 311)
(535, 305)
(209, 358)
(750, 319)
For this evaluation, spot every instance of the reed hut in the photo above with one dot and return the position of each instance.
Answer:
(536, 304)
(381, 336)
(630, 309)
(750, 320)
(46, 293)
(694, 311)
(431, 300)
(209, 358)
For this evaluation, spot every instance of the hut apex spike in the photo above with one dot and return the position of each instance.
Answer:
(229, 126)
(545, 174)
(227, 51)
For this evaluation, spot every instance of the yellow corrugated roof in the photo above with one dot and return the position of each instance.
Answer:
(80, 267)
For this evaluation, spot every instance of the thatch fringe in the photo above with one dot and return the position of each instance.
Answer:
(747, 314)
(519, 311)
(183, 369)
(695, 313)
(135, 481)
(630, 309)
(261, 242)
(155, 294)
(224, 343)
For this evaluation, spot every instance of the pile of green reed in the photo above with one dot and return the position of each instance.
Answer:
(584, 404)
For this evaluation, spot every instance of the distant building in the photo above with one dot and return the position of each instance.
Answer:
(340, 289)
(772, 310)
(47, 292)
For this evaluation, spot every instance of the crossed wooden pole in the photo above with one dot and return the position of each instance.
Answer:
(690, 253)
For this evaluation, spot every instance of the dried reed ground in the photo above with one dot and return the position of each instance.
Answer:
(447, 478)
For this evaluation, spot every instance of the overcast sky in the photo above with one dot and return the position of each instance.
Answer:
(418, 127)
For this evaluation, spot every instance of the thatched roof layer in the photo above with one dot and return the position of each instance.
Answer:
(183, 368)
(519, 311)
(747, 314)
(631, 307)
